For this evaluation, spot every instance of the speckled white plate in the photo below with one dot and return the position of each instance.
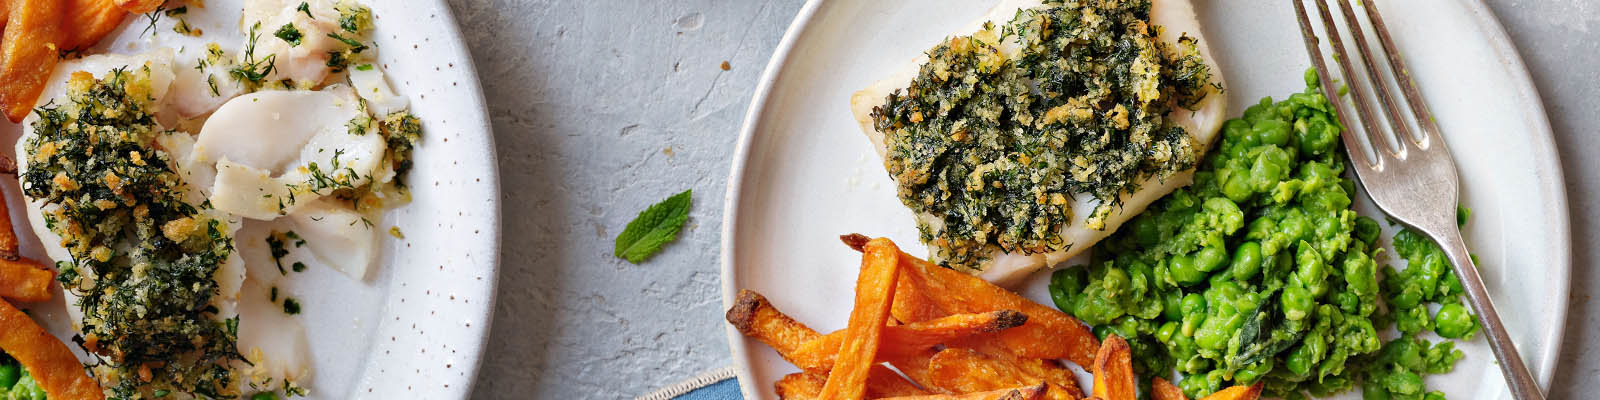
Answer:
(417, 326)
(804, 173)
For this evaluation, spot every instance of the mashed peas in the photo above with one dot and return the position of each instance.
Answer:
(1261, 271)
(15, 383)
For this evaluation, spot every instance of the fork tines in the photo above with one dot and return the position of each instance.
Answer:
(1391, 146)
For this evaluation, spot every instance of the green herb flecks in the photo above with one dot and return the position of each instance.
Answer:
(182, 27)
(305, 8)
(291, 306)
(253, 71)
(289, 34)
(403, 132)
(994, 146)
(275, 242)
(653, 228)
(142, 260)
(354, 18)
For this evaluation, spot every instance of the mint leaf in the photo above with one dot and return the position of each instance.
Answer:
(654, 227)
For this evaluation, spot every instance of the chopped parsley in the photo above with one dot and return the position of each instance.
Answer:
(289, 34)
(275, 242)
(291, 306)
(993, 147)
(182, 27)
(305, 8)
(142, 260)
(298, 266)
(354, 18)
(402, 131)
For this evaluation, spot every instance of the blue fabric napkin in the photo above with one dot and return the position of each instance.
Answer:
(715, 385)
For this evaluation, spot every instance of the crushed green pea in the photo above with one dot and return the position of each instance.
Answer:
(1261, 272)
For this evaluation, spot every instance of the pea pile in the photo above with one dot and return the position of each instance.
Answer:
(1261, 271)
(15, 383)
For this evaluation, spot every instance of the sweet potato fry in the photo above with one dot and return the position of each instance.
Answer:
(1251, 392)
(1048, 370)
(49, 361)
(906, 340)
(1020, 393)
(88, 21)
(883, 382)
(755, 317)
(1163, 390)
(958, 370)
(139, 6)
(915, 367)
(799, 385)
(911, 302)
(25, 280)
(8, 234)
(28, 53)
(1048, 334)
(880, 267)
(1113, 370)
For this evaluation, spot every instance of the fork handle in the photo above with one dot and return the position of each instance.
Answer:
(1523, 386)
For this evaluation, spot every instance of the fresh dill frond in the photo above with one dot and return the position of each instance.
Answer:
(253, 70)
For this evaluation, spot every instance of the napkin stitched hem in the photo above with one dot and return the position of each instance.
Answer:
(703, 380)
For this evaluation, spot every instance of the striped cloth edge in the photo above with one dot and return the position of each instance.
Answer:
(703, 380)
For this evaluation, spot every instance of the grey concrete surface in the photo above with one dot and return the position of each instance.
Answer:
(601, 108)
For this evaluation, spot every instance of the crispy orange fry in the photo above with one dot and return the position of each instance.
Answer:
(883, 382)
(911, 302)
(1251, 392)
(1113, 370)
(799, 385)
(1049, 333)
(1163, 390)
(1020, 393)
(8, 235)
(88, 21)
(755, 317)
(1048, 370)
(139, 6)
(958, 370)
(915, 367)
(28, 53)
(900, 341)
(25, 280)
(880, 267)
(49, 361)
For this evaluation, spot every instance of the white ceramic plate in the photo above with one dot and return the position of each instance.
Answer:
(416, 327)
(804, 173)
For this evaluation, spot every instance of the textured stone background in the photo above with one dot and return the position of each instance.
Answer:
(601, 108)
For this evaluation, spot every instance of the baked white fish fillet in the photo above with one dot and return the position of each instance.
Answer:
(275, 342)
(1177, 18)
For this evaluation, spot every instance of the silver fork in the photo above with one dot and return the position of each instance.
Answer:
(1413, 177)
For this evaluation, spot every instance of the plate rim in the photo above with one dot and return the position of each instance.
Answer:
(1542, 137)
(730, 213)
(473, 85)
